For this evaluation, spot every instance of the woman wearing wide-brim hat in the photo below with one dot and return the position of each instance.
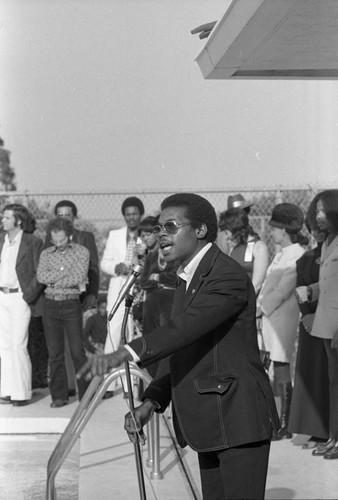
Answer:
(278, 304)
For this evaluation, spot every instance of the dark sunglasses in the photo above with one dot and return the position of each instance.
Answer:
(170, 227)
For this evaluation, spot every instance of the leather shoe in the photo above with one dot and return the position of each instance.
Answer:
(6, 400)
(332, 454)
(58, 403)
(324, 448)
(282, 433)
(20, 402)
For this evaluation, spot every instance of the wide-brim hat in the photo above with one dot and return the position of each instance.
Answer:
(287, 216)
(238, 201)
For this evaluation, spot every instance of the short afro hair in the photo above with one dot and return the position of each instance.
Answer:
(197, 209)
(66, 203)
(132, 201)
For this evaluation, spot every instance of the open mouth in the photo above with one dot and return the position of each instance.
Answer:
(166, 247)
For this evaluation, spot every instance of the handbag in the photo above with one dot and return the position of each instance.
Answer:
(263, 353)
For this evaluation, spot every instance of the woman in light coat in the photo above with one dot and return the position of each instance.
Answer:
(277, 302)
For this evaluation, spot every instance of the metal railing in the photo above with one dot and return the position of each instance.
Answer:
(81, 416)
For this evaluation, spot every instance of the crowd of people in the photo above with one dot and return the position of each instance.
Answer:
(298, 281)
(209, 308)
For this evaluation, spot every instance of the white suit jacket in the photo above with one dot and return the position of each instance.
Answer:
(115, 253)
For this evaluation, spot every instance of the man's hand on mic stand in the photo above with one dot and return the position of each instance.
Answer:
(134, 424)
(103, 364)
(122, 269)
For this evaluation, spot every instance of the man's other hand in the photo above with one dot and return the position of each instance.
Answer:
(103, 364)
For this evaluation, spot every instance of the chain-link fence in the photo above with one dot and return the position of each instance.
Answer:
(101, 211)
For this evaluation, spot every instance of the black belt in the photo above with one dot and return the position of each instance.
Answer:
(5, 289)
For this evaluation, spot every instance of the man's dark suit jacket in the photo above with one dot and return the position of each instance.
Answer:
(26, 266)
(212, 371)
(86, 239)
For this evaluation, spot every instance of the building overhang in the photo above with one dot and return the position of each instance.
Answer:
(280, 39)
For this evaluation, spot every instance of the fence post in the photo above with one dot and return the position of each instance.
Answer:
(279, 197)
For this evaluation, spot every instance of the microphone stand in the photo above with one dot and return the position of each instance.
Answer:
(128, 303)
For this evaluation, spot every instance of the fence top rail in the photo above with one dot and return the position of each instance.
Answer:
(140, 191)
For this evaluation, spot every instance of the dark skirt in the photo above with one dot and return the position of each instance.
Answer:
(309, 413)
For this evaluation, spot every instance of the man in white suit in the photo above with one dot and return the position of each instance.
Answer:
(118, 257)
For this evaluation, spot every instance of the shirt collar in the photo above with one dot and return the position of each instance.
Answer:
(54, 249)
(16, 239)
(186, 273)
(132, 235)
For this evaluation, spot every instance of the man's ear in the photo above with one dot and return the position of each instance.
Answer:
(202, 231)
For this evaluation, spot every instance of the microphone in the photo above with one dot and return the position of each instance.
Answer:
(125, 289)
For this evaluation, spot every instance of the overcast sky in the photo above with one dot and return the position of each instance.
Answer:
(106, 94)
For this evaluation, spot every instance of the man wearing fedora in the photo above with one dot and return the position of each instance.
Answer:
(235, 201)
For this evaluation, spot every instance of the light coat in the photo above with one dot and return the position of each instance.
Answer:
(279, 306)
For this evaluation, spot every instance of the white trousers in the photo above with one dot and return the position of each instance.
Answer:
(16, 367)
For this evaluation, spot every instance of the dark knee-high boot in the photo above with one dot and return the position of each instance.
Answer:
(285, 391)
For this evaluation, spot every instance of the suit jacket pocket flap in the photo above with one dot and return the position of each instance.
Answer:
(214, 383)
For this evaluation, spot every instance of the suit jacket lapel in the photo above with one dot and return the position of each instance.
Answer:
(2, 241)
(22, 249)
(200, 274)
(76, 236)
(327, 250)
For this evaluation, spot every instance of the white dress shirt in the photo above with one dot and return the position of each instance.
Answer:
(9, 255)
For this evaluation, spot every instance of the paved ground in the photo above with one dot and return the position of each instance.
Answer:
(102, 464)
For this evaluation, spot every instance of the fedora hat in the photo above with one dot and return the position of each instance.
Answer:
(287, 216)
(238, 201)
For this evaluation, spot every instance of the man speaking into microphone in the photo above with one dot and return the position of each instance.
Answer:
(223, 405)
